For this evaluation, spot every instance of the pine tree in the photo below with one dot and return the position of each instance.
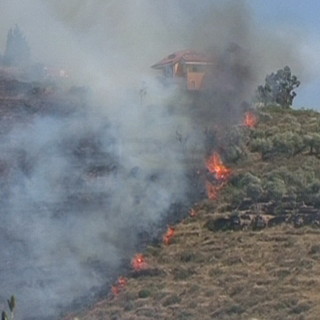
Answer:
(17, 52)
(278, 88)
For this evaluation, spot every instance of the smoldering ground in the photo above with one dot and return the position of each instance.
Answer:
(77, 188)
(76, 191)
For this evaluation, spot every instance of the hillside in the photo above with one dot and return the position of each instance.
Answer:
(271, 274)
(249, 252)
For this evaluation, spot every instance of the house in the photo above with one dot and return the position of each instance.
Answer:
(187, 67)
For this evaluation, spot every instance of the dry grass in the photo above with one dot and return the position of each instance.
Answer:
(270, 274)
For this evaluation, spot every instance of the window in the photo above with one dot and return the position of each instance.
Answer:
(197, 68)
(168, 71)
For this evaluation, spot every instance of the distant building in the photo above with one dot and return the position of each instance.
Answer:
(187, 67)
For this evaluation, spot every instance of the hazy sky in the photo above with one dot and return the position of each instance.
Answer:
(295, 19)
(301, 19)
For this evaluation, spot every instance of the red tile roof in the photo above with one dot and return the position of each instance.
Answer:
(188, 56)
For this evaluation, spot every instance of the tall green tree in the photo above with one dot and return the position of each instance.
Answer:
(279, 88)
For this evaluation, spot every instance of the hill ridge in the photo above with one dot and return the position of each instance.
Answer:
(240, 271)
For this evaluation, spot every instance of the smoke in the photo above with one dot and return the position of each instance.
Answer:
(243, 54)
(79, 187)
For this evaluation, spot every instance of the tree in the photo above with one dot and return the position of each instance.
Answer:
(254, 191)
(278, 88)
(275, 188)
(17, 52)
(312, 140)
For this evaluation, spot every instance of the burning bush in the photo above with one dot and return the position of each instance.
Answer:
(119, 286)
(250, 119)
(167, 238)
(138, 262)
(212, 191)
(216, 167)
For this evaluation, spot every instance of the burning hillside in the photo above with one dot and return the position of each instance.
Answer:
(65, 173)
(92, 174)
(250, 252)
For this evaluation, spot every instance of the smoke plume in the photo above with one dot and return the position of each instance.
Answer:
(79, 187)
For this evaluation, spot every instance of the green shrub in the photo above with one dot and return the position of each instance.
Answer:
(235, 196)
(249, 178)
(288, 143)
(271, 131)
(312, 141)
(263, 146)
(313, 187)
(144, 293)
(236, 140)
(275, 189)
(254, 191)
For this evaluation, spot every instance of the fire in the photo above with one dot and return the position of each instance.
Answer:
(221, 174)
(250, 119)
(116, 289)
(122, 281)
(138, 262)
(168, 236)
(216, 167)
(192, 213)
(212, 190)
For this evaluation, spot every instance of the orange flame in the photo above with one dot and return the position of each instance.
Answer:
(116, 289)
(216, 167)
(212, 191)
(122, 281)
(168, 236)
(250, 119)
(138, 262)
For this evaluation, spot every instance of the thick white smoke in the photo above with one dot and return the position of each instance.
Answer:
(78, 187)
(76, 193)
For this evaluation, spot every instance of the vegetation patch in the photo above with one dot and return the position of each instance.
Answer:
(144, 293)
